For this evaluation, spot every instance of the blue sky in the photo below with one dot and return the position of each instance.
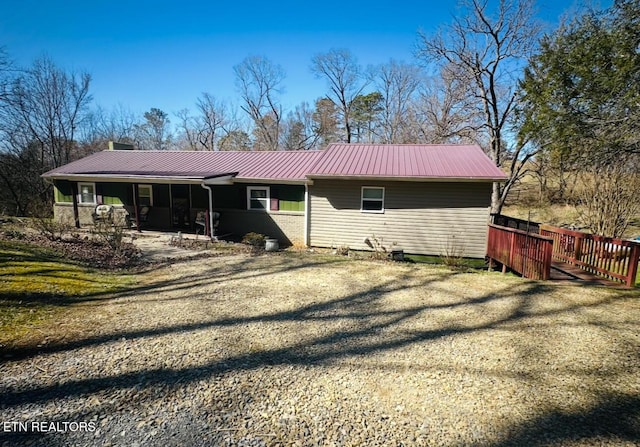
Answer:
(163, 54)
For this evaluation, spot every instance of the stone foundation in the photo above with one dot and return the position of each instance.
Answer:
(63, 213)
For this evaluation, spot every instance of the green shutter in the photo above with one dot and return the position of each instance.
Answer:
(113, 193)
(291, 197)
(63, 191)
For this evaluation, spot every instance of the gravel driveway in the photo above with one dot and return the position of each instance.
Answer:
(308, 349)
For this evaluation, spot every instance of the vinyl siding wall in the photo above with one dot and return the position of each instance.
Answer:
(419, 217)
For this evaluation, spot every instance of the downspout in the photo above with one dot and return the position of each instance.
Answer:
(208, 188)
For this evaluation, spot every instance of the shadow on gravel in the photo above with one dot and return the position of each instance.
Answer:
(614, 418)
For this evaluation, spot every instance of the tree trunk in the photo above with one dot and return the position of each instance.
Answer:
(497, 201)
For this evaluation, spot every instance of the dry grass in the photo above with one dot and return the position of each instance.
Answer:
(524, 203)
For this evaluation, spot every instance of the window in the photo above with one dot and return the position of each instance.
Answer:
(87, 192)
(372, 199)
(258, 198)
(145, 195)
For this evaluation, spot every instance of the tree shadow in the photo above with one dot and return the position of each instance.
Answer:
(612, 419)
(360, 341)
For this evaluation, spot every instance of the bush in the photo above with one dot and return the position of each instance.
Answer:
(380, 251)
(111, 235)
(453, 253)
(343, 250)
(51, 228)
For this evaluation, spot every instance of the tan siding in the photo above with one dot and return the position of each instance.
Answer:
(418, 217)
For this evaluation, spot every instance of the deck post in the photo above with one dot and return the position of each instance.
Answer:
(633, 265)
(512, 247)
(548, 253)
(578, 247)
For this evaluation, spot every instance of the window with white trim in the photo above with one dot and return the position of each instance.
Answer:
(258, 198)
(372, 199)
(87, 193)
(145, 195)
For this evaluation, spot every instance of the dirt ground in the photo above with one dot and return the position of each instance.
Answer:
(312, 349)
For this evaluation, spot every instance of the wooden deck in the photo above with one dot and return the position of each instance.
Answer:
(560, 254)
(565, 272)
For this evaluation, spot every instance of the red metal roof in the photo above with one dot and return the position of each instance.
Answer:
(419, 161)
(392, 161)
(275, 165)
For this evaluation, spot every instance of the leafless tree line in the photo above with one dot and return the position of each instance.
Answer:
(461, 89)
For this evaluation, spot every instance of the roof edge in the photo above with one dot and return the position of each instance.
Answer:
(135, 178)
(407, 179)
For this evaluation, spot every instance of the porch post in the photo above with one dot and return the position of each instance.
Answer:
(135, 206)
(76, 214)
(207, 187)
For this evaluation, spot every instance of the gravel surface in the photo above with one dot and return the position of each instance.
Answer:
(314, 350)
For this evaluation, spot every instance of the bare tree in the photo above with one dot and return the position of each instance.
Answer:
(5, 72)
(346, 81)
(102, 126)
(447, 114)
(299, 129)
(187, 137)
(259, 82)
(487, 49)
(607, 196)
(42, 109)
(203, 131)
(213, 120)
(45, 106)
(398, 83)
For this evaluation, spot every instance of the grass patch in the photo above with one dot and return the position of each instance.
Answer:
(438, 260)
(36, 282)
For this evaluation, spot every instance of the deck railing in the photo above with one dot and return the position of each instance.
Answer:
(612, 258)
(513, 222)
(526, 253)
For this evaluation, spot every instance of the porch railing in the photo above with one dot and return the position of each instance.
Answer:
(526, 253)
(612, 258)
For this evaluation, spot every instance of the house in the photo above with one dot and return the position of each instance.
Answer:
(419, 198)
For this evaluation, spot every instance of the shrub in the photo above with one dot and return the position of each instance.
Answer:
(453, 252)
(109, 234)
(51, 228)
(380, 251)
(342, 250)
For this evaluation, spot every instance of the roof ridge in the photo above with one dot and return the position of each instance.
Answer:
(177, 151)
